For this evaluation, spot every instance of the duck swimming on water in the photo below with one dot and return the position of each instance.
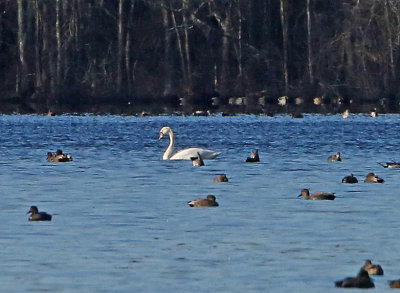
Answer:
(335, 158)
(350, 179)
(372, 178)
(59, 156)
(317, 195)
(221, 178)
(361, 281)
(373, 269)
(38, 216)
(210, 201)
(197, 161)
(253, 157)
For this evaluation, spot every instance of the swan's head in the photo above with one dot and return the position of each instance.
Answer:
(164, 131)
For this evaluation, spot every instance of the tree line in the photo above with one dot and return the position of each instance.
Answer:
(153, 51)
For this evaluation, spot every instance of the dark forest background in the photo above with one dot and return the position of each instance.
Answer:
(154, 55)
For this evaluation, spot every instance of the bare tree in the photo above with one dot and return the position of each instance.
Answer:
(120, 44)
(168, 68)
(21, 81)
(58, 38)
(309, 44)
(283, 7)
(38, 73)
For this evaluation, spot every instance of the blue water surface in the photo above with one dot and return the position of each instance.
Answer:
(121, 222)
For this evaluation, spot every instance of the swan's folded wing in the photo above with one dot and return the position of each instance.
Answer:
(187, 154)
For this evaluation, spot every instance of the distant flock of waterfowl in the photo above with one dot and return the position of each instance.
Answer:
(198, 155)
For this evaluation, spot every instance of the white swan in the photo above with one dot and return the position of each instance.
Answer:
(185, 154)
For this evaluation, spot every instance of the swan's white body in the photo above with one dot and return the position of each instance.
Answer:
(185, 154)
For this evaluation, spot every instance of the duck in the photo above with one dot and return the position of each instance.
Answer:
(350, 179)
(372, 269)
(390, 165)
(197, 161)
(335, 158)
(372, 178)
(38, 216)
(373, 113)
(361, 281)
(210, 201)
(221, 178)
(185, 154)
(394, 284)
(317, 195)
(59, 156)
(253, 157)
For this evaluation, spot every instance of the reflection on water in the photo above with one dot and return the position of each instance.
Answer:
(121, 219)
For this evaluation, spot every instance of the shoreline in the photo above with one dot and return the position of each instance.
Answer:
(180, 107)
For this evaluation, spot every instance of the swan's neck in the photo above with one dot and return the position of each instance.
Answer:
(170, 148)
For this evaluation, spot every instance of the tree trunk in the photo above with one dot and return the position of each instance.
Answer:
(22, 68)
(284, 43)
(168, 68)
(180, 50)
(309, 44)
(389, 40)
(239, 37)
(185, 7)
(58, 38)
(38, 74)
(47, 52)
(226, 27)
(120, 44)
(128, 48)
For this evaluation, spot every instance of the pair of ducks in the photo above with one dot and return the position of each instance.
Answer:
(210, 200)
(198, 160)
(373, 113)
(59, 156)
(362, 280)
(370, 178)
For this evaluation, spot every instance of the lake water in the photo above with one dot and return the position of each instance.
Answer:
(121, 222)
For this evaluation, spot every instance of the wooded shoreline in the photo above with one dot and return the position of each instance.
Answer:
(202, 107)
(165, 56)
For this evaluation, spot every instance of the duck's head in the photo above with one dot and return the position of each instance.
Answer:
(33, 210)
(304, 192)
(211, 198)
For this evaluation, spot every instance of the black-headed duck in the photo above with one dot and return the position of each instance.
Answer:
(253, 157)
(197, 161)
(210, 201)
(350, 179)
(38, 216)
(317, 195)
(361, 281)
